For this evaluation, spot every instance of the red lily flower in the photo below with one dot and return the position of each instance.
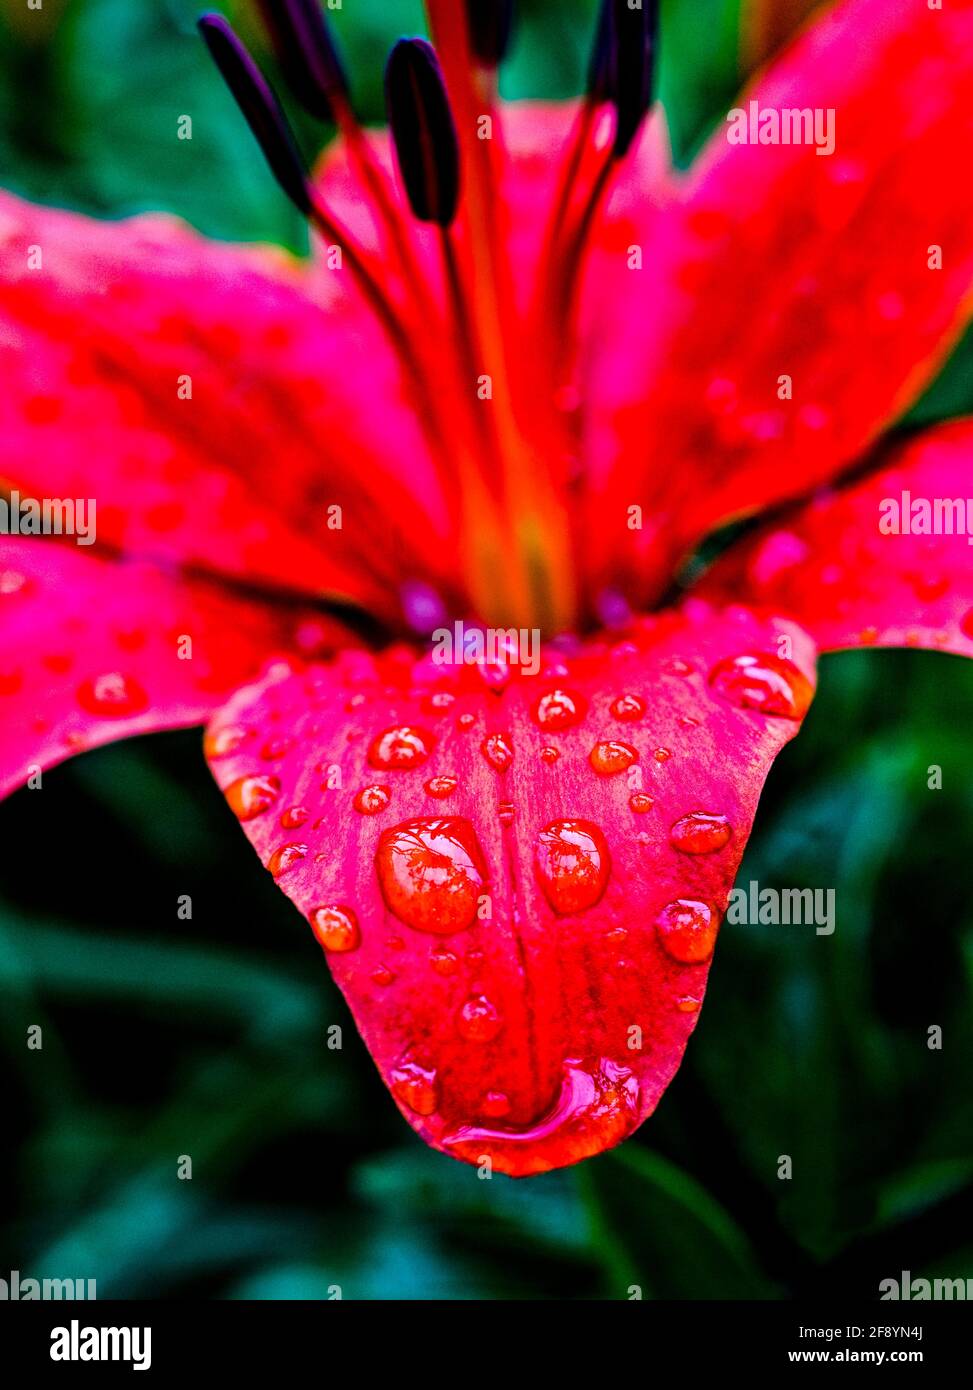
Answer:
(522, 403)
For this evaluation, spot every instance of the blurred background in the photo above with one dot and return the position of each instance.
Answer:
(208, 1037)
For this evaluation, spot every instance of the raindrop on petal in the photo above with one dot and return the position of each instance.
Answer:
(765, 682)
(573, 864)
(701, 832)
(400, 747)
(250, 796)
(416, 1087)
(336, 928)
(687, 930)
(431, 873)
(612, 757)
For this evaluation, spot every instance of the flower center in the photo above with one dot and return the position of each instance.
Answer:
(492, 380)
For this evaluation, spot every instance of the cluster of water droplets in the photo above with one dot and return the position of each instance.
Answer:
(432, 870)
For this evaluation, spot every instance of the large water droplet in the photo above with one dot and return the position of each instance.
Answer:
(559, 709)
(336, 928)
(573, 864)
(763, 681)
(612, 757)
(687, 930)
(701, 832)
(416, 1087)
(478, 1020)
(294, 817)
(596, 1107)
(431, 873)
(400, 747)
(112, 696)
(250, 796)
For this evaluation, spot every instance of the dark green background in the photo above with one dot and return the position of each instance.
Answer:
(208, 1037)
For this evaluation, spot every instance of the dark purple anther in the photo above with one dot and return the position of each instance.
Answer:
(491, 24)
(636, 34)
(259, 105)
(423, 130)
(601, 64)
(306, 53)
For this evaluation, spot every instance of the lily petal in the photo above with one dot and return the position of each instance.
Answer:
(518, 888)
(835, 565)
(94, 651)
(217, 402)
(783, 264)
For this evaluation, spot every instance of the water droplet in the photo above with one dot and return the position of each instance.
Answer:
(688, 1004)
(275, 749)
(868, 636)
(495, 1105)
(466, 721)
(628, 708)
(505, 812)
(285, 858)
(765, 682)
(336, 928)
(929, 587)
(662, 755)
(497, 751)
(559, 709)
(400, 747)
(443, 961)
(701, 832)
(112, 696)
(431, 873)
(220, 743)
(640, 803)
(382, 975)
(612, 757)
(294, 817)
(573, 864)
(441, 787)
(478, 1020)
(416, 1087)
(250, 796)
(687, 930)
(549, 755)
(373, 799)
(11, 581)
(439, 701)
(676, 666)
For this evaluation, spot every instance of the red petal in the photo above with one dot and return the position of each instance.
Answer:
(779, 262)
(547, 1030)
(829, 566)
(285, 369)
(91, 652)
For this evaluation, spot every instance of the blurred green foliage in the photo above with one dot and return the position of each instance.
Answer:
(208, 1037)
